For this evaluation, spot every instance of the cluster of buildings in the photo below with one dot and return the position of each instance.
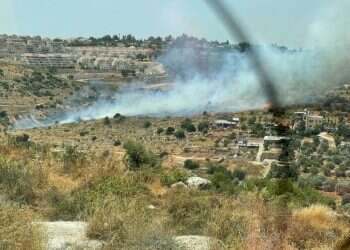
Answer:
(45, 52)
(116, 59)
(233, 123)
(51, 60)
(35, 51)
(14, 46)
(309, 120)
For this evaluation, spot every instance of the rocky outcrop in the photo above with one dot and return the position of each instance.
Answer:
(192, 242)
(179, 184)
(198, 182)
(64, 235)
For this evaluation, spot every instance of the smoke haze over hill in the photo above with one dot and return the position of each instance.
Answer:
(223, 81)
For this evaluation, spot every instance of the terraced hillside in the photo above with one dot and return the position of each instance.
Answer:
(23, 90)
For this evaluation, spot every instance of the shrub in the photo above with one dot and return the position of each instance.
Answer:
(170, 130)
(295, 195)
(163, 154)
(83, 133)
(223, 181)
(180, 134)
(323, 147)
(188, 125)
(317, 181)
(226, 142)
(20, 141)
(314, 170)
(282, 171)
(307, 196)
(147, 124)
(24, 138)
(190, 164)
(279, 187)
(232, 136)
(330, 165)
(4, 119)
(326, 171)
(203, 126)
(3, 114)
(72, 158)
(336, 159)
(117, 143)
(173, 176)
(118, 117)
(258, 130)
(329, 185)
(160, 130)
(106, 121)
(137, 156)
(239, 174)
(251, 120)
(339, 172)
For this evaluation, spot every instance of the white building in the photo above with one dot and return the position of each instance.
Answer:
(48, 60)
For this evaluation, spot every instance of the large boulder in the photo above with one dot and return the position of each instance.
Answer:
(67, 235)
(198, 182)
(347, 173)
(192, 242)
(179, 184)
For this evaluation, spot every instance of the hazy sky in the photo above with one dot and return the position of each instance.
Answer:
(281, 21)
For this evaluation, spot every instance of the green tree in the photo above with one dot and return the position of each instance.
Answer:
(282, 171)
(190, 164)
(160, 130)
(188, 125)
(251, 120)
(239, 174)
(203, 126)
(147, 124)
(137, 156)
(170, 130)
(180, 134)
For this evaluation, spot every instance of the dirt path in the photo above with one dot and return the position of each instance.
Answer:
(260, 152)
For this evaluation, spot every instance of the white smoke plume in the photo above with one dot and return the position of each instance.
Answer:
(299, 76)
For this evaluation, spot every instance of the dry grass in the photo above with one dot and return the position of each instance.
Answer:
(315, 227)
(318, 216)
(125, 223)
(17, 230)
(115, 202)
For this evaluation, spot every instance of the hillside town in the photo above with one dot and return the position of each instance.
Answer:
(190, 173)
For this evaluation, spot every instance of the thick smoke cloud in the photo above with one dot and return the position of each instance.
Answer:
(224, 81)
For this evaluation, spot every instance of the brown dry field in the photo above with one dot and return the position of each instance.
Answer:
(98, 137)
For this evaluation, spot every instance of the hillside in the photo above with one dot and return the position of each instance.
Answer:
(23, 90)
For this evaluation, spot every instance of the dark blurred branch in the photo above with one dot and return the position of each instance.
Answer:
(234, 28)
